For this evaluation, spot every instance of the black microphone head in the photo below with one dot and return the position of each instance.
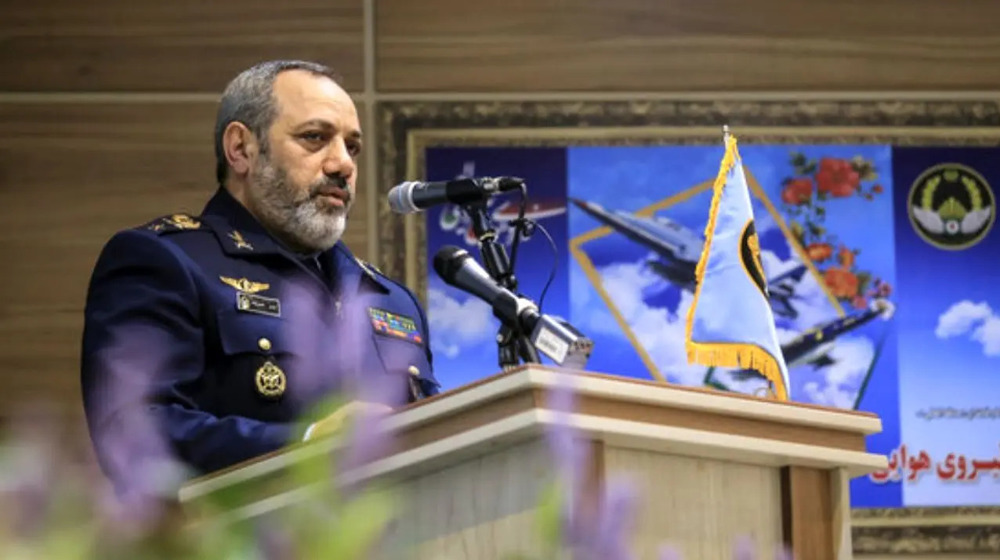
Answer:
(448, 260)
(457, 268)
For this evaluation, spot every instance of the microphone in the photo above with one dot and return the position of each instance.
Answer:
(551, 336)
(414, 196)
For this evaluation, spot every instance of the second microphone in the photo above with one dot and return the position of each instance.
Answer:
(551, 336)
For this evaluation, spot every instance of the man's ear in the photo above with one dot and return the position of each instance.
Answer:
(240, 147)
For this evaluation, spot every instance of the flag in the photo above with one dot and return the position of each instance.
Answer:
(730, 323)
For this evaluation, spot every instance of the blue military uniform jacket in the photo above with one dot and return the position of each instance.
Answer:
(229, 338)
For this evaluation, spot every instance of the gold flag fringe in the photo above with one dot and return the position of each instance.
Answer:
(745, 356)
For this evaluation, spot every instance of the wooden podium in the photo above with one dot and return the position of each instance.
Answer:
(710, 467)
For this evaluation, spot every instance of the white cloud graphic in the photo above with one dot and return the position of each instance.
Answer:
(961, 317)
(977, 320)
(659, 330)
(852, 357)
(455, 324)
(988, 334)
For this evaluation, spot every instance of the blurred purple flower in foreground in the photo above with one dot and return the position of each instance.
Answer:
(329, 344)
(611, 540)
(743, 549)
(28, 473)
(601, 530)
(565, 445)
(668, 552)
(50, 492)
(368, 437)
(133, 450)
(591, 531)
(273, 541)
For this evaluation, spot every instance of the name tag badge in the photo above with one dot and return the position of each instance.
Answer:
(397, 326)
(263, 305)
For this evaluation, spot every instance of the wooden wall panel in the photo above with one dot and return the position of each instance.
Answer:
(186, 45)
(70, 176)
(673, 45)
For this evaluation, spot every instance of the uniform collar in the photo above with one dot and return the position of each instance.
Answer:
(241, 235)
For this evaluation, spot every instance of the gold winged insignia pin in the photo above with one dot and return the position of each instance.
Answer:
(244, 285)
(176, 222)
(183, 221)
(240, 241)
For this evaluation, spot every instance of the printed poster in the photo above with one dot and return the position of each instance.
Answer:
(881, 265)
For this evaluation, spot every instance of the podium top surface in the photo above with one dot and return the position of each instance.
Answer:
(619, 410)
(628, 389)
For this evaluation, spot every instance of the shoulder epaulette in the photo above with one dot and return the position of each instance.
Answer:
(173, 222)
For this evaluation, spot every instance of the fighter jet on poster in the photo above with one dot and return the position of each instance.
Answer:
(813, 346)
(678, 250)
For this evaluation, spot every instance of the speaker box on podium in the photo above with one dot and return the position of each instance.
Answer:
(469, 466)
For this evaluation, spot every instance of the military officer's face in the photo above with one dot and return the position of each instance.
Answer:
(302, 187)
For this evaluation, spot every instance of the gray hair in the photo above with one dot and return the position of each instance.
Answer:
(249, 99)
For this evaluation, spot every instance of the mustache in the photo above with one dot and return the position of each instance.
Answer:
(336, 186)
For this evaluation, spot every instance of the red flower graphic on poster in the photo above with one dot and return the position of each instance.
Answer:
(808, 195)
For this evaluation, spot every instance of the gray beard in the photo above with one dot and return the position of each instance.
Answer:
(297, 219)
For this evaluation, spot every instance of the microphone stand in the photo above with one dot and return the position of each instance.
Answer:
(511, 343)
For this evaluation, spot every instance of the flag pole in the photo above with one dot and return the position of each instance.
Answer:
(725, 135)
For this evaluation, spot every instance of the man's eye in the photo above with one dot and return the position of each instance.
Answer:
(354, 148)
(312, 136)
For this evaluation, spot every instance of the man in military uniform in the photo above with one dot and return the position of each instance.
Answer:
(226, 327)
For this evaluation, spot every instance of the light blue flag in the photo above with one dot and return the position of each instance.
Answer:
(730, 323)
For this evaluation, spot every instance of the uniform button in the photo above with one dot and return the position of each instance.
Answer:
(414, 371)
(264, 344)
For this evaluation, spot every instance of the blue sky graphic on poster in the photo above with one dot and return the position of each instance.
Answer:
(949, 349)
(463, 328)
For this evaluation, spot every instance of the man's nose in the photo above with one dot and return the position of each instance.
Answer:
(338, 160)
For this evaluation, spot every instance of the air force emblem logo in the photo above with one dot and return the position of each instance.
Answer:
(951, 206)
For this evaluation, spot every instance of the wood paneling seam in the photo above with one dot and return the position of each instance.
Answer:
(371, 135)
